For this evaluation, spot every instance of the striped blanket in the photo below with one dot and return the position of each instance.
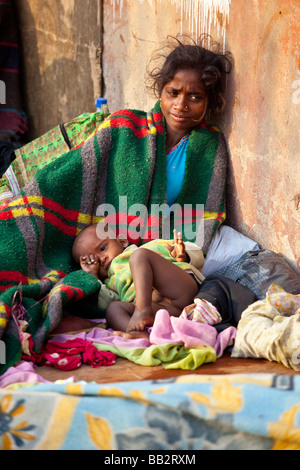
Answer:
(123, 161)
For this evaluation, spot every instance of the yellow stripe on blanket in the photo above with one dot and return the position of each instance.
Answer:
(60, 424)
(30, 199)
(214, 215)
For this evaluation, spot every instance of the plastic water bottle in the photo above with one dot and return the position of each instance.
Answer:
(102, 107)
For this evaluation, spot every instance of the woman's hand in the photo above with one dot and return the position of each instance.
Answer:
(177, 250)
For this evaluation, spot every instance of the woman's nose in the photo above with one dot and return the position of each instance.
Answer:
(180, 103)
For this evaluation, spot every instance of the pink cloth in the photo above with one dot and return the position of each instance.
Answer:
(22, 372)
(106, 337)
(167, 329)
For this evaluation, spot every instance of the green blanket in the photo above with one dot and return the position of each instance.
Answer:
(124, 162)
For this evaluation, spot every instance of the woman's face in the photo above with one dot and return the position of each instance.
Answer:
(183, 102)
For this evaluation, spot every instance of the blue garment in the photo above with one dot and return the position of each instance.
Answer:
(175, 170)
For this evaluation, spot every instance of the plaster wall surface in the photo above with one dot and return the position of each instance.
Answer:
(262, 120)
(61, 54)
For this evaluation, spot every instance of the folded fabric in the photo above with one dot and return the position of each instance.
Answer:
(173, 343)
(22, 373)
(258, 270)
(227, 247)
(270, 329)
(228, 297)
(192, 334)
(201, 311)
(70, 354)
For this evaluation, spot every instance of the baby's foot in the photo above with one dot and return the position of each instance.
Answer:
(90, 264)
(140, 320)
(132, 334)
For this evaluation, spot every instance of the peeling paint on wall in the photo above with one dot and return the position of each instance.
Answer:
(296, 93)
(202, 15)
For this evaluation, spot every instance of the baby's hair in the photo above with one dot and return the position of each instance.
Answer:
(178, 54)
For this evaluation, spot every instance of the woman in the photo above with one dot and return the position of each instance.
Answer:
(191, 87)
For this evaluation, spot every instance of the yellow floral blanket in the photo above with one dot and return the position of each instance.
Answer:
(167, 419)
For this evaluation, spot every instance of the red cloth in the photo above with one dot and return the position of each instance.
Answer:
(70, 355)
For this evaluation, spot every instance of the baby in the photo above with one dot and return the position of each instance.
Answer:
(141, 275)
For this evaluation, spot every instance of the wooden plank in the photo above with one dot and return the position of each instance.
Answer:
(126, 371)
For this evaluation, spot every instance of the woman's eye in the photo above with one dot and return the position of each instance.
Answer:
(196, 98)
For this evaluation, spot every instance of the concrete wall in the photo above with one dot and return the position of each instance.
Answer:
(61, 44)
(262, 122)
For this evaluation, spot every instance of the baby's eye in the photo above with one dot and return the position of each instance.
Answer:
(102, 248)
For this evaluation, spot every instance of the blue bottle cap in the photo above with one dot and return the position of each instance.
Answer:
(100, 101)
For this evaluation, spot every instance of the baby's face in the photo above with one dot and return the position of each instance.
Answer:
(106, 249)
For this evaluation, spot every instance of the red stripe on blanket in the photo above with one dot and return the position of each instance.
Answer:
(126, 118)
(47, 205)
(5, 215)
(56, 222)
(139, 121)
(67, 214)
(14, 276)
(221, 216)
(73, 293)
(158, 118)
(123, 122)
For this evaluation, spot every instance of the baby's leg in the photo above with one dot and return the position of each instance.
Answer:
(118, 315)
(150, 270)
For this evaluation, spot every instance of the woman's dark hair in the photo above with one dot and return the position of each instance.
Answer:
(212, 65)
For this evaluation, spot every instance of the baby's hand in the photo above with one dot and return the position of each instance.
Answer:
(90, 264)
(177, 250)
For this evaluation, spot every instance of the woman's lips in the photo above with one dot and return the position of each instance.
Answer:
(179, 118)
